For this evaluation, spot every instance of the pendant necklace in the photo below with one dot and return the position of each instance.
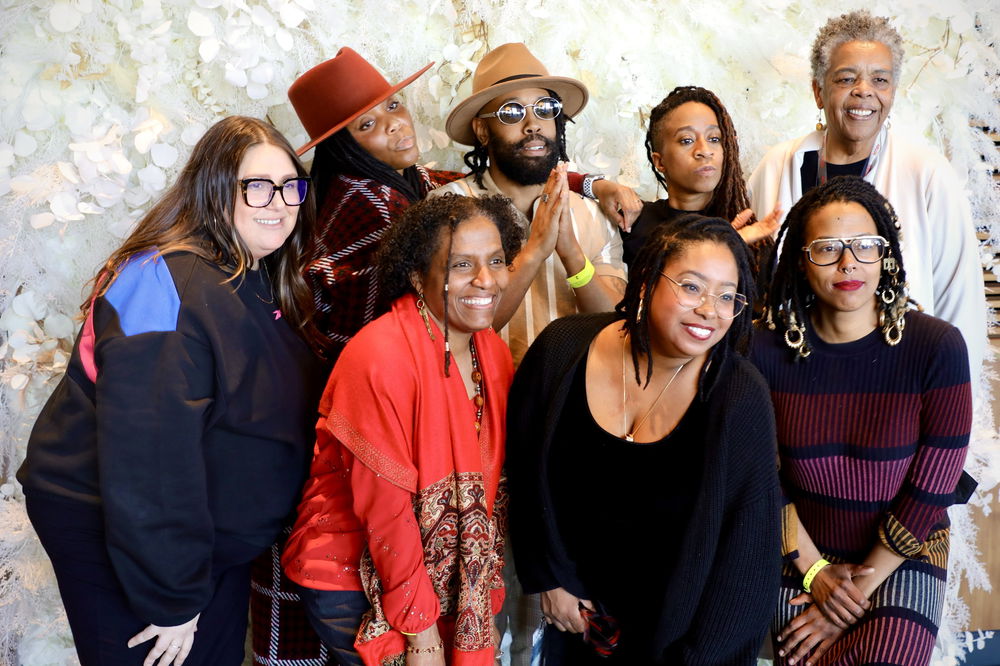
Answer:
(630, 434)
(477, 379)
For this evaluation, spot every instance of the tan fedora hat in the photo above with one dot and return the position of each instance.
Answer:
(506, 68)
(335, 92)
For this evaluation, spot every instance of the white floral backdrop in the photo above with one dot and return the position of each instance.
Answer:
(100, 103)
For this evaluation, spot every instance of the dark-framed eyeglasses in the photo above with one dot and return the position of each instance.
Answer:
(258, 192)
(602, 632)
(828, 251)
(692, 294)
(511, 113)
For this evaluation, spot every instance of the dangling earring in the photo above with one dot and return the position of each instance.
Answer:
(820, 125)
(892, 317)
(422, 309)
(795, 335)
(638, 310)
(890, 266)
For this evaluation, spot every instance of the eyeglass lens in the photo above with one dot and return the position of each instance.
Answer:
(545, 108)
(827, 251)
(258, 192)
(690, 294)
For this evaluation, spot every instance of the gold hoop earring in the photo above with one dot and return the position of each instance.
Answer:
(422, 309)
(795, 336)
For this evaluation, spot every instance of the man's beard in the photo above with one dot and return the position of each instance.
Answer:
(521, 168)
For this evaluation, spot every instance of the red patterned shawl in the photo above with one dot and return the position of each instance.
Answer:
(390, 404)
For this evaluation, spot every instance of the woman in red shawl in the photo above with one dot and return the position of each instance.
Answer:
(405, 500)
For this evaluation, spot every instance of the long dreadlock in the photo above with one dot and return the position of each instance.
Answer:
(789, 295)
(477, 159)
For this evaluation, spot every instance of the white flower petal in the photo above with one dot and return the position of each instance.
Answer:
(292, 16)
(58, 325)
(152, 178)
(23, 184)
(28, 304)
(64, 17)
(120, 163)
(256, 91)
(63, 206)
(200, 23)
(284, 39)
(208, 49)
(262, 73)
(164, 155)
(192, 133)
(144, 141)
(41, 220)
(6, 155)
(235, 77)
(88, 208)
(17, 382)
(24, 144)
(209, 4)
(68, 172)
(161, 29)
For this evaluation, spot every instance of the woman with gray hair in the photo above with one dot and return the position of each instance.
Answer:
(856, 61)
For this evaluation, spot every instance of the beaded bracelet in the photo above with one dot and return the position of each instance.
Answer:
(583, 278)
(807, 580)
(425, 650)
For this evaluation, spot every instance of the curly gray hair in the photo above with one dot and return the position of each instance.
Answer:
(857, 26)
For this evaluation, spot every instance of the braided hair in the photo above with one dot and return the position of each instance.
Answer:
(477, 159)
(789, 295)
(730, 195)
(340, 153)
(410, 244)
(667, 242)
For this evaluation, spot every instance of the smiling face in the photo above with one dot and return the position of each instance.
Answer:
(847, 286)
(264, 230)
(856, 94)
(476, 272)
(526, 152)
(685, 333)
(386, 132)
(689, 154)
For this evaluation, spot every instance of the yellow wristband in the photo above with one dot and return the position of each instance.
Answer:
(807, 580)
(583, 278)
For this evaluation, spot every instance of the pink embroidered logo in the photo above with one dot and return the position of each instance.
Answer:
(277, 315)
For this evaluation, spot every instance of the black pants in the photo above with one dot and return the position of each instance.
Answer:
(99, 615)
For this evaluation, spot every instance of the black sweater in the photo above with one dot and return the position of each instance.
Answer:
(195, 437)
(723, 592)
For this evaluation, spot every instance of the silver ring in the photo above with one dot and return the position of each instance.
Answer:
(175, 646)
(545, 197)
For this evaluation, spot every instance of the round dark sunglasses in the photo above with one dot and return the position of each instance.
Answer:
(511, 113)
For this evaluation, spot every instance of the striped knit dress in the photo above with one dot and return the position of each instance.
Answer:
(872, 440)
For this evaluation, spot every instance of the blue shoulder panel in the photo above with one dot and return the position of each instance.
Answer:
(144, 296)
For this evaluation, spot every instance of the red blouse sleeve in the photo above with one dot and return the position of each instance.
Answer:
(386, 512)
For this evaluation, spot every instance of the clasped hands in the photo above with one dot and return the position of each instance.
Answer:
(836, 604)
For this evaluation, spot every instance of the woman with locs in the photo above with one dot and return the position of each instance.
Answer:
(636, 563)
(873, 410)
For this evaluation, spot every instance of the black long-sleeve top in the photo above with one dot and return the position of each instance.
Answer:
(186, 413)
(723, 590)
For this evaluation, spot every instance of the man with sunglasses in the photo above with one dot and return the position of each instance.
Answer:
(515, 120)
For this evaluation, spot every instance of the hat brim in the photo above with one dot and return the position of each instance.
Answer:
(459, 124)
(378, 99)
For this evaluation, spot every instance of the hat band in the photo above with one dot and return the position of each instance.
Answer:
(516, 77)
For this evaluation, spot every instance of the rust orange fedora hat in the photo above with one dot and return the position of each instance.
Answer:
(335, 92)
(510, 67)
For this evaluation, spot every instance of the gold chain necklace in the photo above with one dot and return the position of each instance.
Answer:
(630, 434)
